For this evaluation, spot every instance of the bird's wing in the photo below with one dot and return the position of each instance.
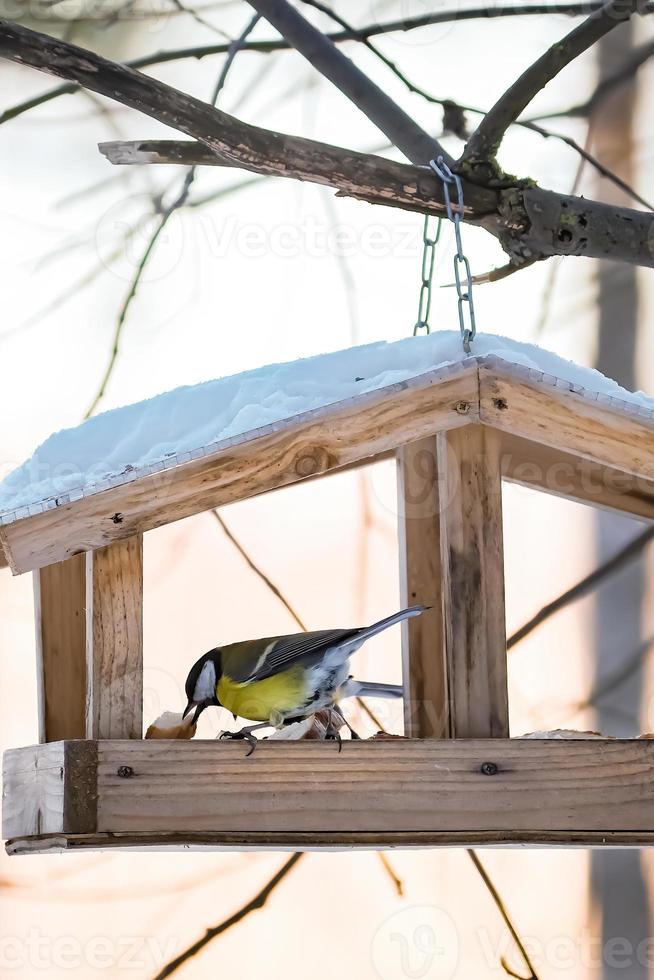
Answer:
(258, 659)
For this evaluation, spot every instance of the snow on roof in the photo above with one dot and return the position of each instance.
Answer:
(131, 439)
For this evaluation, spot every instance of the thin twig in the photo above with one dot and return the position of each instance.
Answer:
(131, 293)
(592, 160)
(625, 73)
(459, 111)
(356, 34)
(497, 898)
(397, 71)
(555, 265)
(282, 598)
(614, 564)
(484, 143)
(255, 903)
(495, 275)
(616, 678)
(198, 18)
(259, 571)
(165, 217)
(416, 144)
(397, 881)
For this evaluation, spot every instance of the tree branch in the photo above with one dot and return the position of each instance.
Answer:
(457, 112)
(338, 37)
(479, 154)
(614, 564)
(625, 73)
(416, 144)
(606, 685)
(529, 222)
(178, 202)
(497, 898)
(236, 143)
(255, 903)
(259, 572)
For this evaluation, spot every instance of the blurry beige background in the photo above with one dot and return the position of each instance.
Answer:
(254, 277)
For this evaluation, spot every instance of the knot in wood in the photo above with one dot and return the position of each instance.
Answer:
(125, 772)
(312, 461)
(489, 768)
(462, 408)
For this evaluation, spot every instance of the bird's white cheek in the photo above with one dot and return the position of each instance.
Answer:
(206, 683)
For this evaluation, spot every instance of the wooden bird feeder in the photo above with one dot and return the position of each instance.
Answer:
(458, 779)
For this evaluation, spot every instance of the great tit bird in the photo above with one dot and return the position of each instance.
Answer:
(282, 679)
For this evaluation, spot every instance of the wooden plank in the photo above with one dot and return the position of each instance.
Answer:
(49, 789)
(423, 649)
(285, 841)
(568, 421)
(60, 613)
(33, 790)
(472, 557)
(376, 793)
(413, 785)
(259, 461)
(115, 640)
(575, 478)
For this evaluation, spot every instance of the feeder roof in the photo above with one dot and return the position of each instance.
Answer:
(193, 448)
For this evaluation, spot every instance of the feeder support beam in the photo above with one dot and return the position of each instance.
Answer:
(114, 634)
(59, 602)
(423, 666)
(469, 466)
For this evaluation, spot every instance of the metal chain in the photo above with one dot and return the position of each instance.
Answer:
(430, 240)
(469, 328)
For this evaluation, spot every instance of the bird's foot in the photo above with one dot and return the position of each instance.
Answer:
(246, 735)
(332, 734)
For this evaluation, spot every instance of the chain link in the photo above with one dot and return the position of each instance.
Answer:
(467, 323)
(430, 240)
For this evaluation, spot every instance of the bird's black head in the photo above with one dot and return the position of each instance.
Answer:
(201, 683)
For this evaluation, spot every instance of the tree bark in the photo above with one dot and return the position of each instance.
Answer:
(530, 222)
(617, 876)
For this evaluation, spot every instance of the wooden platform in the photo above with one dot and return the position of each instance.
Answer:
(305, 795)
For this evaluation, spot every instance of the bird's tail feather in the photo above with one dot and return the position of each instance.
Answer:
(368, 689)
(383, 624)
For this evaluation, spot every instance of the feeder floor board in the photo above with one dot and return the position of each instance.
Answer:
(305, 795)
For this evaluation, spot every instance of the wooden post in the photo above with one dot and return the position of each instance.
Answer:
(59, 601)
(423, 651)
(473, 581)
(114, 588)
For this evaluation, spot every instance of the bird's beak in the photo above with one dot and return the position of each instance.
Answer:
(199, 708)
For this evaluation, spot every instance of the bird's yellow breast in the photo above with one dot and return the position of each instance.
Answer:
(282, 693)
